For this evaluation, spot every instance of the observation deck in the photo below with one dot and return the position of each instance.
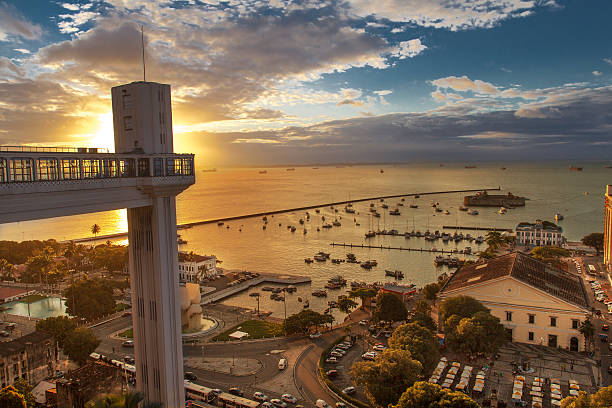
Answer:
(36, 182)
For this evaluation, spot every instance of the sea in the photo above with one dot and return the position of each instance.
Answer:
(550, 187)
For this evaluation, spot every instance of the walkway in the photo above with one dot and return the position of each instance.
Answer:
(281, 279)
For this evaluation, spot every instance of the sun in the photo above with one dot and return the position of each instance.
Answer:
(104, 136)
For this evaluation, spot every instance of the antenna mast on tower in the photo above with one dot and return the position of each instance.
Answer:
(144, 70)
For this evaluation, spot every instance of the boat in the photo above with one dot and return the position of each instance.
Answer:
(317, 210)
(472, 211)
(370, 234)
(376, 214)
(337, 261)
(502, 210)
(181, 241)
(446, 212)
(301, 221)
(320, 258)
(306, 304)
(326, 225)
(267, 289)
(264, 227)
(220, 223)
(470, 167)
(382, 171)
(290, 289)
(263, 172)
(349, 210)
(479, 240)
(384, 205)
(305, 231)
(308, 260)
(558, 217)
(396, 274)
(290, 169)
(336, 223)
(462, 208)
(395, 211)
(416, 196)
(320, 293)
(414, 206)
(438, 209)
(573, 168)
(293, 228)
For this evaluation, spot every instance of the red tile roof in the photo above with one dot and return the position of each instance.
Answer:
(6, 292)
(526, 269)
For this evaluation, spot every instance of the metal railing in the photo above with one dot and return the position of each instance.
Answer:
(52, 149)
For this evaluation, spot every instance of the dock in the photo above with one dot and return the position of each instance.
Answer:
(434, 251)
(242, 286)
(102, 238)
(463, 227)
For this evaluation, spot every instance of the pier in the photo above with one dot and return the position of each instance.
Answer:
(463, 227)
(286, 210)
(242, 286)
(432, 250)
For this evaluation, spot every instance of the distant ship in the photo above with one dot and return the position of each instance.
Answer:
(470, 167)
(209, 170)
(263, 172)
(382, 171)
(291, 169)
(572, 168)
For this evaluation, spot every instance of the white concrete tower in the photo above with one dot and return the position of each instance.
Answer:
(142, 119)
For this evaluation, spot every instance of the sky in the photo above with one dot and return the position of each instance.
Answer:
(264, 82)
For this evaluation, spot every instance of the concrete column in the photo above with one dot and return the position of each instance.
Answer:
(155, 310)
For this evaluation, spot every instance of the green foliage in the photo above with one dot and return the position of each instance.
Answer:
(301, 322)
(90, 299)
(425, 395)
(390, 307)
(365, 294)
(17, 253)
(24, 388)
(39, 265)
(346, 304)
(127, 400)
(59, 327)
(80, 344)
(430, 291)
(480, 333)
(601, 399)
(594, 240)
(587, 330)
(257, 329)
(11, 398)
(110, 257)
(419, 341)
(549, 254)
(494, 239)
(386, 378)
(6, 270)
(462, 306)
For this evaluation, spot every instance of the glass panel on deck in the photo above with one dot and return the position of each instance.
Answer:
(20, 170)
(47, 169)
(71, 169)
(3, 178)
(91, 168)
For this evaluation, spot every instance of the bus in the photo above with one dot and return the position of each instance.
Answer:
(227, 400)
(198, 392)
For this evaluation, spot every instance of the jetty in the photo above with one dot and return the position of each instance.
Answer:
(242, 286)
(286, 210)
(388, 247)
(463, 227)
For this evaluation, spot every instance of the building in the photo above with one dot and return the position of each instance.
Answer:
(12, 293)
(92, 380)
(143, 175)
(539, 234)
(537, 304)
(607, 247)
(32, 357)
(193, 267)
(404, 292)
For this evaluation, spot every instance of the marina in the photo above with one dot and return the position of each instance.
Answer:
(431, 250)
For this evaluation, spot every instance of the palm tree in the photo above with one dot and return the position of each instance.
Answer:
(6, 269)
(132, 399)
(95, 230)
(588, 331)
(494, 239)
(106, 401)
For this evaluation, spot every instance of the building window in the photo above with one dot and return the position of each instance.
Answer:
(509, 332)
(508, 316)
(158, 167)
(91, 169)
(109, 168)
(553, 322)
(187, 168)
(173, 167)
(530, 336)
(126, 167)
(128, 102)
(127, 123)
(71, 169)
(552, 340)
(531, 319)
(21, 170)
(143, 168)
(3, 177)
(47, 169)
(575, 324)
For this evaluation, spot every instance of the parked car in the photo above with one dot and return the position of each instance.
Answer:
(349, 390)
(282, 363)
(4, 333)
(340, 405)
(235, 391)
(128, 343)
(379, 347)
(315, 335)
(289, 398)
(126, 314)
(260, 396)
(278, 403)
(322, 404)
(603, 337)
(331, 373)
(217, 391)
(190, 376)
(610, 370)
(266, 404)
(331, 360)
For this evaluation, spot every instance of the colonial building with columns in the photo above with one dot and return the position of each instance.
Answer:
(538, 304)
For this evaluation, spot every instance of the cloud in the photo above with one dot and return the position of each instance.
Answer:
(383, 92)
(350, 102)
(72, 22)
(463, 84)
(9, 68)
(13, 24)
(597, 73)
(409, 49)
(22, 50)
(453, 15)
(608, 61)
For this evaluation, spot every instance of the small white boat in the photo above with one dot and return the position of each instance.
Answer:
(502, 210)
(558, 217)
(446, 212)
(472, 211)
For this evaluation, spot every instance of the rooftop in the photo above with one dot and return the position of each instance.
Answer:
(524, 268)
(18, 345)
(7, 292)
(399, 288)
(191, 257)
(539, 224)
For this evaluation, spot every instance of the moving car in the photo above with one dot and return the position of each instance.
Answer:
(349, 390)
(190, 376)
(128, 343)
(236, 391)
(331, 373)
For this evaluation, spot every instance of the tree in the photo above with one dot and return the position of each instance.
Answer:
(95, 230)
(6, 270)
(346, 304)
(25, 389)
(364, 294)
(601, 399)
(386, 378)
(59, 327)
(11, 398)
(301, 322)
(39, 264)
(80, 344)
(127, 400)
(89, 299)
(390, 307)
(594, 240)
(587, 330)
(419, 341)
(426, 395)
(422, 315)
(430, 291)
(550, 255)
(494, 239)
(462, 306)
(482, 332)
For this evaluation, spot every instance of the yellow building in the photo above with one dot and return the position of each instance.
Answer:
(537, 304)
(608, 227)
